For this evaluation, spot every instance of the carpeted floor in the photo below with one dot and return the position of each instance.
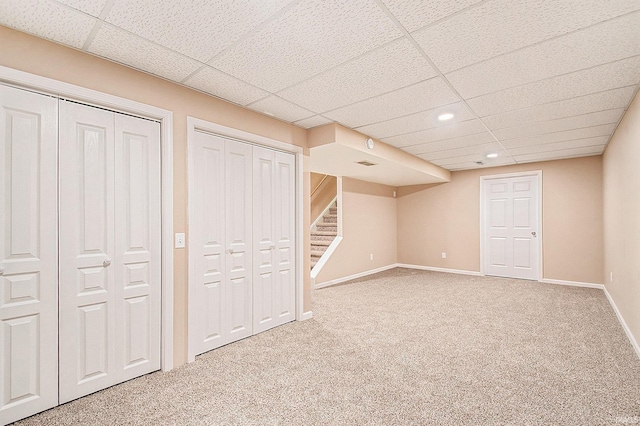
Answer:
(402, 347)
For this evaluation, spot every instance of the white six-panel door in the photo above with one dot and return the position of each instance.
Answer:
(109, 249)
(242, 240)
(137, 258)
(264, 237)
(207, 247)
(28, 254)
(511, 236)
(285, 297)
(238, 297)
(220, 242)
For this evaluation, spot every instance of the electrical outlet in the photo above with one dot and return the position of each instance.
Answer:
(180, 240)
(371, 256)
(444, 255)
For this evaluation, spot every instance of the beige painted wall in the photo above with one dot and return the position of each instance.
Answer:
(37, 56)
(621, 174)
(368, 226)
(445, 218)
(325, 191)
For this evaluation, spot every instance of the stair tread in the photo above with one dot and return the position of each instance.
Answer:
(325, 243)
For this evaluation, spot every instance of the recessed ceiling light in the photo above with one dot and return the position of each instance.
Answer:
(492, 155)
(446, 116)
(269, 113)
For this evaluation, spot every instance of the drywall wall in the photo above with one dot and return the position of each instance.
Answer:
(621, 176)
(446, 218)
(368, 227)
(37, 56)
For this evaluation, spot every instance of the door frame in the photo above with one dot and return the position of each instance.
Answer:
(196, 124)
(483, 204)
(51, 87)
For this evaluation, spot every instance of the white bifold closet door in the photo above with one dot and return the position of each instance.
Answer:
(28, 254)
(242, 240)
(222, 242)
(110, 251)
(273, 234)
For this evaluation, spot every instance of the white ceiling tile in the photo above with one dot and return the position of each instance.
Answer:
(419, 121)
(414, 14)
(219, 84)
(120, 46)
(605, 130)
(474, 157)
(568, 123)
(610, 41)
(440, 145)
(408, 100)
(486, 163)
(497, 27)
(383, 70)
(47, 20)
(557, 146)
(199, 29)
(92, 7)
(558, 155)
(281, 109)
(604, 77)
(611, 99)
(454, 130)
(315, 121)
(476, 150)
(309, 38)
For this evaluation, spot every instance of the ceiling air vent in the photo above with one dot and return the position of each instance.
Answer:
(366, 163)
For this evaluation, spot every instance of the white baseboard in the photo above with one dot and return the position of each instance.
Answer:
(572, 283)
(626, 328)
(434, 269)
(306, 316)
(354, 276)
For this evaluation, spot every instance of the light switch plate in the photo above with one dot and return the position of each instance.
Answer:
(180, 240)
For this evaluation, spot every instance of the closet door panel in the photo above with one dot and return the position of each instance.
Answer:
(285, 258)
(264, 239)
(207, 246)
(28, 254)
(137, 258)
(87, 310)
(238, 203)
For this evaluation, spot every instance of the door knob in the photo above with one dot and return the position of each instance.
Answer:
(1, 271)
(533, 233)
(106, 262)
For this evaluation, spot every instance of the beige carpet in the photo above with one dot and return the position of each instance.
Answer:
(402, 347)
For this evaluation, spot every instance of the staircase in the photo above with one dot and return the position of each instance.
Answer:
(324, 233)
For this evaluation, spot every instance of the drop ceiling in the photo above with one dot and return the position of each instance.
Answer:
(530, 80)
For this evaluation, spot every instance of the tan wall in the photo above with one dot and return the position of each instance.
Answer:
(621, 173)
(446, 218)
(324, 194)
(37, 56)
(369, 226)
